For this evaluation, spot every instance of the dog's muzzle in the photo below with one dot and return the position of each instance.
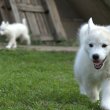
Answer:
(98, 64)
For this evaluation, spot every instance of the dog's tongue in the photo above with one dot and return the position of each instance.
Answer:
(98, 64)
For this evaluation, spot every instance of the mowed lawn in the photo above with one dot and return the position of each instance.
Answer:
(31, 80)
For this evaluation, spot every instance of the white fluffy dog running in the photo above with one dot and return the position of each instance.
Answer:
(92, 64)
(14, 31)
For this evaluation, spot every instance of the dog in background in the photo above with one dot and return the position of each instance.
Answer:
(92, 64)
(15, 31)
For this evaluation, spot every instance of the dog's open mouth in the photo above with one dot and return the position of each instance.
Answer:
(98, 64)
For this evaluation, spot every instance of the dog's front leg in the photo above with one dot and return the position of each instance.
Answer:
(11, 43)
(92, 92)
(105, 101)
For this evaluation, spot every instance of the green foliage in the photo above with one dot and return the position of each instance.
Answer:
(31, 80)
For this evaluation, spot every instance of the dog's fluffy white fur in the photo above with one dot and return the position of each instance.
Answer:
(92, 64)
(14, 31)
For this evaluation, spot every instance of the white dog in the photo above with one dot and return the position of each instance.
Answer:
(92, 64)
(14, 31)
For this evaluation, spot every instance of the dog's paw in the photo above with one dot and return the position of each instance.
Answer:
(8, 47)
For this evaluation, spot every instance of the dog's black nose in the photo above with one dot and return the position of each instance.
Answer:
(95, 56)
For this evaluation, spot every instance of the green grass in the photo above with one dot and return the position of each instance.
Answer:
(31, 80)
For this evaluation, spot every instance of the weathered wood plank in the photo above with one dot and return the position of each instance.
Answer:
(18, 1)
(1, 3)
(38, 20)
(34, 2)
(46, 38)
(41, 19)
(3, 14)
(32, 21)
(33, 26)
(6, 4)
(28, 2)
(15, 10)
(42, 25)
(53, 12)
(45, 35)
(47, 25)
(30, 8)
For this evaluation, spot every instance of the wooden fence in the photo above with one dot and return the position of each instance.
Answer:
(42, 17)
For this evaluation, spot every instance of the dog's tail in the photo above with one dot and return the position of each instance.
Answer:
(24, 21)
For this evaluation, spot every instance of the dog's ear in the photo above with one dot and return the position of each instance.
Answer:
(3, 22)
(91, 25)
(7, 23)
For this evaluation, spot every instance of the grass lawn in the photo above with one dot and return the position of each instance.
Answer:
(31, 80)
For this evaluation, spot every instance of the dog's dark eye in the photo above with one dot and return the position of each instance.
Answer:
(91, 45)
(104, 45)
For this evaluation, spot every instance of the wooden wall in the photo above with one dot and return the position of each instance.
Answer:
(42, 17)
(70, 18)
(54, 20)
